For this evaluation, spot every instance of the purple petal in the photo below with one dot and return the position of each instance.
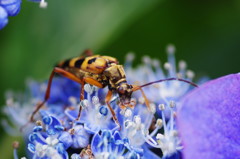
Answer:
(3, 18)
(209, 120)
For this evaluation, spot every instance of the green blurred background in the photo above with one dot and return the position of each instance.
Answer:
(206, 34)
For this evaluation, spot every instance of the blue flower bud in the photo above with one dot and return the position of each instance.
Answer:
(103, 110)
(47, 120)
(3, 17)
(31, 148)
(37, 128)
(32, 137)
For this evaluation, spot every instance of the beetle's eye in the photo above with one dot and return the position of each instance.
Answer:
(121, 90)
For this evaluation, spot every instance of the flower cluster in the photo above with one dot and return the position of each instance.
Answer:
(12, 8)
(143, 132)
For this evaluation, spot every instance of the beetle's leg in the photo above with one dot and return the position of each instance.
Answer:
(58, 71)
(135, 88)
(107, 100)
(81, 98)
(145, 99)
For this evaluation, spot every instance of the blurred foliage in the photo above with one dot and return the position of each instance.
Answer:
(206, 35)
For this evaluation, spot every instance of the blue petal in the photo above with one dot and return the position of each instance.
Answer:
(95, 142)
(132, 155)
(139, 151)
(55, 122)
(60, 148)
(51, 131)
(117, 136)
(37, 128)
(149, 154)
(31, 148)
(71, 114)
(80, 137)
(106, 134)
(65, 155)
(3, 17)
(209, 118)
(32, 137)
(62, 89)
(91, 129)
(120, 146)
(80, 141)
(59, 128)
(11, 6)
(66, 139)
(176, 155)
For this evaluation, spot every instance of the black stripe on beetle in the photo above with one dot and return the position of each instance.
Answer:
(78, 63)
(66, 63)
(92, 60)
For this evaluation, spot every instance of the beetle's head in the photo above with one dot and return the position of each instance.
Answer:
(125, 93)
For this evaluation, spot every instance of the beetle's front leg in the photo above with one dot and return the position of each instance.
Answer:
(135, 88)
(107, 100)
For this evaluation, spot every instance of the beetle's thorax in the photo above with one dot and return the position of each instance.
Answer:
(116, 75)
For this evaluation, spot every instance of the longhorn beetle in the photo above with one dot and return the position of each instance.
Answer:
(100, 71)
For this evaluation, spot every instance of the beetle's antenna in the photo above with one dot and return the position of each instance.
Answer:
(163, 80)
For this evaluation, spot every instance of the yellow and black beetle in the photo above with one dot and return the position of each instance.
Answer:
(100, 71)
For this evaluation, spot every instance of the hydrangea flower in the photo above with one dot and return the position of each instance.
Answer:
(12, 8)
(143, 132)
(168, 142)
(95, 116)
(8, 8)
(108, 145)
(151, 70)
(49, 140)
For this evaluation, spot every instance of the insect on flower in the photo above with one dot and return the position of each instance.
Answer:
(100, 71)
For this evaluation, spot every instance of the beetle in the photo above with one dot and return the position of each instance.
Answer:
(100, 71)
